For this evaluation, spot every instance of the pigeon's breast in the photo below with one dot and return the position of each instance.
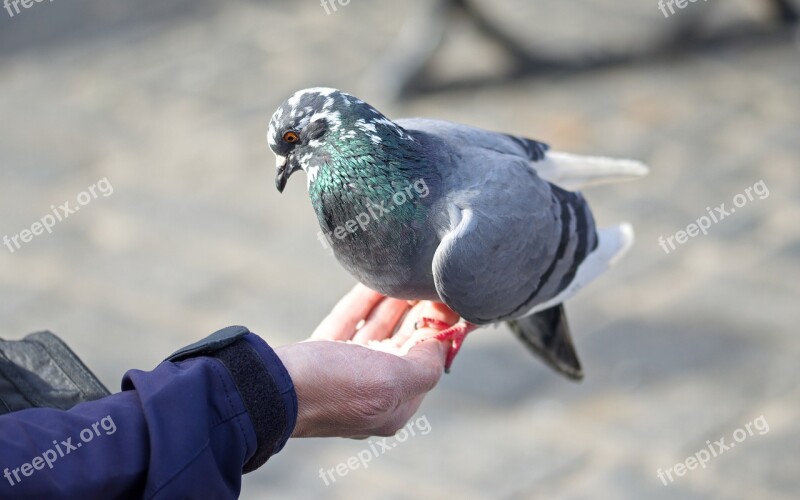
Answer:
(391, 255)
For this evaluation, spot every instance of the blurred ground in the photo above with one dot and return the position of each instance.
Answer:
(170, 102)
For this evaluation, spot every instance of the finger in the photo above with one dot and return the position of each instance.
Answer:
(440, 311)
(382, 321)
(408, 326)
(399, 417)
(435, 310)
(424, 367)
(340, 323)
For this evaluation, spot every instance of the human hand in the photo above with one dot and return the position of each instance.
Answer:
(349, 390)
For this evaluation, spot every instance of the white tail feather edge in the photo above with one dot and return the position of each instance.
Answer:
(613, 243)
(571, 171)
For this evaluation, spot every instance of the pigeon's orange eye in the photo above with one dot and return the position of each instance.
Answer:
(291, 137)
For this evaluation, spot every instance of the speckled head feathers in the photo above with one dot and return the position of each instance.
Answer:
(317, 122)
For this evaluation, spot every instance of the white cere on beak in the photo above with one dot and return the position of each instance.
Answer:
(280, 161)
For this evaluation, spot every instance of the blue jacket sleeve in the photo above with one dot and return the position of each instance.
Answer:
(188, 429)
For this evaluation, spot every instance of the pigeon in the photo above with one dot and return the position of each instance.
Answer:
(485, 222)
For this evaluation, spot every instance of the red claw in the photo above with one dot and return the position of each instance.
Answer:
(455, 334)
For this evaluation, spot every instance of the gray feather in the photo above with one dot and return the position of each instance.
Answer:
(509, 239)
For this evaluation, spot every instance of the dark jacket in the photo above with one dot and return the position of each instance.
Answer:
(187, 429)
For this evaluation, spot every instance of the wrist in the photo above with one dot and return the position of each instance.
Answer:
(291, 358)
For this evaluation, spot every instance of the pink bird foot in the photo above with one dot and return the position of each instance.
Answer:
(455, 334)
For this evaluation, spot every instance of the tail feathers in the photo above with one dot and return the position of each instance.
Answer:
(615, 242)
(547, 335)
(573, 172)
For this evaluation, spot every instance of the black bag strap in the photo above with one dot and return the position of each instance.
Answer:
(41, 371)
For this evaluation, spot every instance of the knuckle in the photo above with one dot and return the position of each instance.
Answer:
(387, 431)
(376, 398)
(391, 427)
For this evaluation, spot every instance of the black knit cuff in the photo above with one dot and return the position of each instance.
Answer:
(262, 381)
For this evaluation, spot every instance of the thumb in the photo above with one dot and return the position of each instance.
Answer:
(425, 362)
(426, 349)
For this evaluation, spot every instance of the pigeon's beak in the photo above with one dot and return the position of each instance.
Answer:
(285, 170)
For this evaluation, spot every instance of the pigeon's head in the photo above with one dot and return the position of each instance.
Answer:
(315, 123)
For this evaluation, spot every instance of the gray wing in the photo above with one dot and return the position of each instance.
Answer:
(511, 240)
(506, 144)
